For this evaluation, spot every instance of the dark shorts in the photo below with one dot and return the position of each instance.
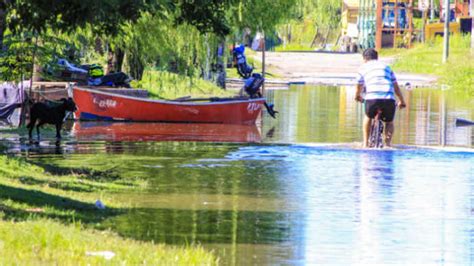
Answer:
(386, 105)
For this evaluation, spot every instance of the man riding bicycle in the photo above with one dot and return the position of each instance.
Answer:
(378, 81)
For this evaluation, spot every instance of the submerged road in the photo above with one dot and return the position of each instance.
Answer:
(329, 68)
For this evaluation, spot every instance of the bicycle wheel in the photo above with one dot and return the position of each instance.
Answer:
(372, 134)
(375, 137)
(378, 134)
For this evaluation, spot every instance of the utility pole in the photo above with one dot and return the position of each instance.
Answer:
(378, 25)
(446, 31)
(432, 10)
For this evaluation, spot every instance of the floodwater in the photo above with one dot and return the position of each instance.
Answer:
(297, 190)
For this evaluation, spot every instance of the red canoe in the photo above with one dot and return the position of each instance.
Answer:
(94, 104)
(117, 131)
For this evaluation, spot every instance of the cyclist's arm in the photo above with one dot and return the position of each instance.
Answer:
(358, 96)
(399, 94)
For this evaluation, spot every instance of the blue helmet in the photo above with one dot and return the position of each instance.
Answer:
(239, 49)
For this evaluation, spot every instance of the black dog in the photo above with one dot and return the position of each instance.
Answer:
(50, 113)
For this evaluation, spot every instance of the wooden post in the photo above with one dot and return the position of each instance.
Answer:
(263, 61)
(378, 25)
(446, 32)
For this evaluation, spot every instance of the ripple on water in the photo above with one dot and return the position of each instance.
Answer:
(215, 165)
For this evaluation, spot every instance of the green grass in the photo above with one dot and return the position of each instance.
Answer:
(65, 194)
(45, 242)
(232, 73)
(457, 74)
(48, 216)
(166, 85)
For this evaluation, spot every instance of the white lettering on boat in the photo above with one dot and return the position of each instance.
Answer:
(104, 103)
(192, 110)
(252, 107)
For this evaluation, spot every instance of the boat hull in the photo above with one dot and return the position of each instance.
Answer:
(95, 104)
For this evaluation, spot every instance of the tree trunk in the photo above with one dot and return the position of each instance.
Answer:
(98, 46)
(325, 41)
(313, 42)
(36, 73)
(137, 71)
(472, 27)
(207, 67)
(289, 33)
(136, 66)
(3, 21)
(118, 59)
(263, 61)
(220, 66)
(115, 59)
(110, 68)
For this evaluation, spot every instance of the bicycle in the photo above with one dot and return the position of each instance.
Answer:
(376, 131)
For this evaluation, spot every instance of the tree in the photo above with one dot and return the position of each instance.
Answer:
(260, 15)
(161, 43)
(34, 17)
(205, 15)
(174, 40)
(105, 16)
(172, 34)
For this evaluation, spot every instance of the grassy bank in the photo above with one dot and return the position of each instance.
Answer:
(46, 242)
(48, 216)
(457, 74)
(166, 85)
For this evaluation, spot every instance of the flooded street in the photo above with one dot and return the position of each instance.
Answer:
(330, 115)
(293, 191)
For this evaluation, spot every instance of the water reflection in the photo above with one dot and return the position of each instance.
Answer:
(375, 199)
(114, 131)
(205, 226)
